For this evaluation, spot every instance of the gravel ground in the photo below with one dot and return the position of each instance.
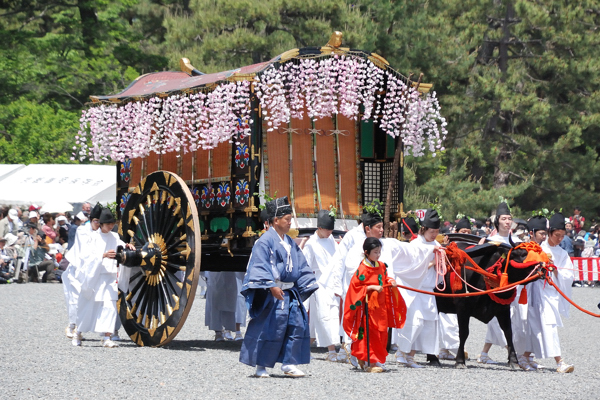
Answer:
(37, 361)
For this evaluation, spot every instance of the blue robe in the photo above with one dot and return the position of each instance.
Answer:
(278, 330)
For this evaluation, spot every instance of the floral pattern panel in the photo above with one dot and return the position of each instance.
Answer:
(242, 193)
(207, 197)
(223, 194)
(124, 173)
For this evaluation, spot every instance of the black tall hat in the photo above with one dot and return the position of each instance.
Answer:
(502, 210)
(537, 223)
(371, 219)
(324, 220)
(279, 207)
(96, 211)
(431, 219)
(463, 223)
(107, 217)
(412, 225)
(557, 221)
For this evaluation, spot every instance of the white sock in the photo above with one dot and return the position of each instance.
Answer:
(71, 326)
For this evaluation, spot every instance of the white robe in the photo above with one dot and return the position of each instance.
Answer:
(494, 334)
(333, 279)
(411, 268)
(448, 331)
(225, 306)
(71, 278)
(324, 305)
(546, 305)
(96, 307)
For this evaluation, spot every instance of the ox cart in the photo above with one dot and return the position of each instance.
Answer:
(197, 153)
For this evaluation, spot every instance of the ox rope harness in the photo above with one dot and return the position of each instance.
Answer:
(536, 273)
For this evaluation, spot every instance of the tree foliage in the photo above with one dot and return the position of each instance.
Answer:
(518, 80)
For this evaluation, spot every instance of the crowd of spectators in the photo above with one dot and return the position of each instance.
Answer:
(32, 244)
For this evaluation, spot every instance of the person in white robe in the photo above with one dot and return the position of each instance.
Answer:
(546, 305)
(522, 339)
(71, 277)
(448, 323)
(324, 305)
(494, 335)
(225, 306)
(414, 266)
(97, 304)
(345, 262)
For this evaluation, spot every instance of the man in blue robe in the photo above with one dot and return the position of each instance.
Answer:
(277, 281)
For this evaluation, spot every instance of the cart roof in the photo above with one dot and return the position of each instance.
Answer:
(173, 82)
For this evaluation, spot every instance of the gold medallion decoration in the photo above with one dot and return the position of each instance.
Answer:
(161, 274)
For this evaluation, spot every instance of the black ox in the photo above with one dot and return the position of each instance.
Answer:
(481, 307)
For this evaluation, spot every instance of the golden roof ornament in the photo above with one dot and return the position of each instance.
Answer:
(335, 40)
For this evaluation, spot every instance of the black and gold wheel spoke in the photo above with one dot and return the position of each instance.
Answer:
(161, 219)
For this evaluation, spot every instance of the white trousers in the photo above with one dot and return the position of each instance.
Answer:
(418, 334)
(494, 333)
(448, 331)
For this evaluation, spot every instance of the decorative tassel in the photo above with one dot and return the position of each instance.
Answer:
(504, 279)
(455, 282)
(523, 296)
(373, 301)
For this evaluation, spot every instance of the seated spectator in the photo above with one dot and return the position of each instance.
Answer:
(11, 224)
(578, 246)
(567, 245)
(34, 218)
(85, 209)
(48, 228)
(569, 230)
(7, 262)
(62, 229)
(73, 230)
(36, 249)
(488, 227)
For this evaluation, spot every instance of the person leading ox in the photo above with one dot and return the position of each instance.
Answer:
(546, 305)
(414, 266)
(494, 335)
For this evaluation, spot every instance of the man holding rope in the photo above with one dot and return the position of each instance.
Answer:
(414, 266)
(545, 303)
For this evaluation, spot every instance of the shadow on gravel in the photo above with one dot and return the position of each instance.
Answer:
(203, 345)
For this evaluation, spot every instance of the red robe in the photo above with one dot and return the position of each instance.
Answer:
(386, 310)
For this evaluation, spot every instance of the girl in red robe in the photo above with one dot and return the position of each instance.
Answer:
(386, 308)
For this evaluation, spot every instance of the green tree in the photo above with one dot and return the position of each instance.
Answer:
(228, 34)
(32, 133)
(53, 56)
(518, 82)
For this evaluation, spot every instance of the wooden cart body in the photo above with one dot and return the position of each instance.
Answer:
(190, 210)
(318, 164)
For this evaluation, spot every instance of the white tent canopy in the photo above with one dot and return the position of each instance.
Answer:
(8, 169)
(71, 183)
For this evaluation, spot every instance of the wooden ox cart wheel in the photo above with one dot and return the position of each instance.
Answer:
(159, 281)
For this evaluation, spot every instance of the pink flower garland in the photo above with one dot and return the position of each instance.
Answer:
(318, 87)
